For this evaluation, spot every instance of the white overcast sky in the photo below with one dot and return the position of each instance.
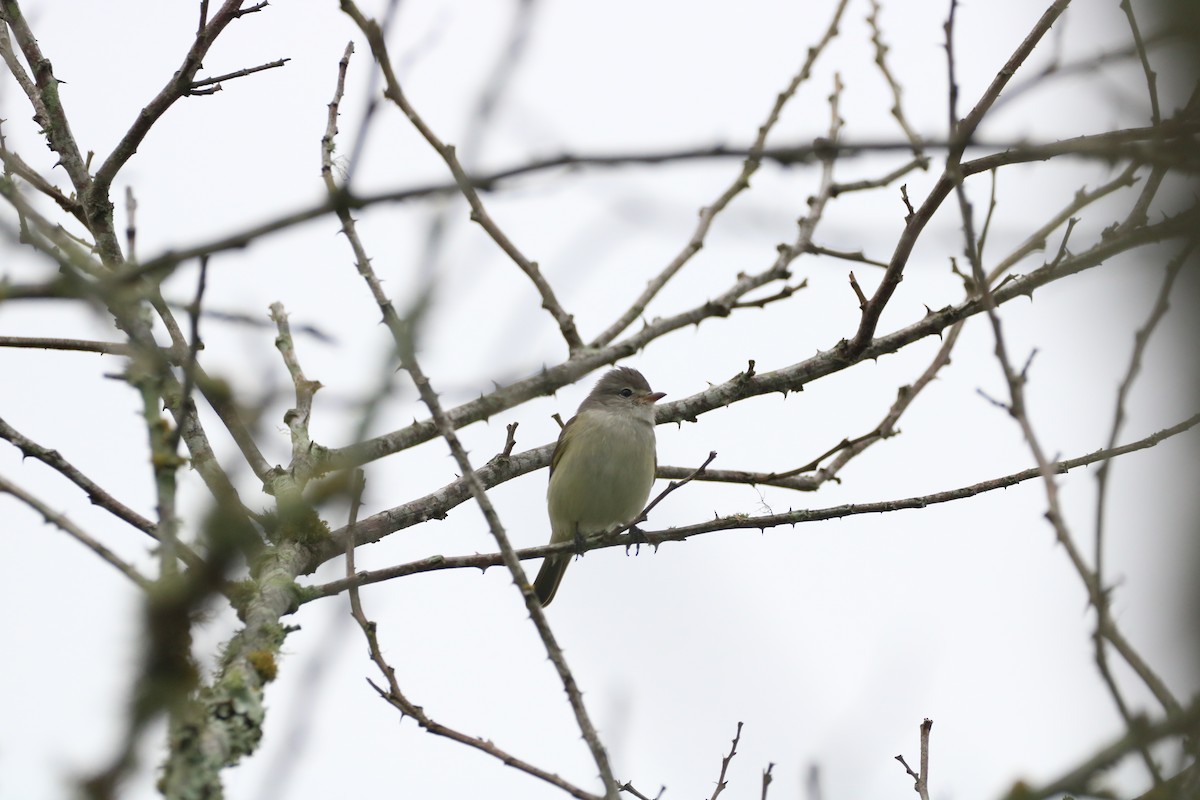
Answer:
(830, 642)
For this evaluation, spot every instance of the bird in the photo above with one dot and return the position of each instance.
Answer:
(602, 468)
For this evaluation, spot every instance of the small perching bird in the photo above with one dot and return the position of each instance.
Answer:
(602, 469)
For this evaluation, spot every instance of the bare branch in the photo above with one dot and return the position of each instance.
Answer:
(511, 560)
(671, 487)
(1141, 339)
(1080, 779)
(73, 345)
(179, 85)
(394, 695)
(766, 779)
(15, 165)
(42, 92)
(736, 522)
(1167, 143)
(962, 133)
(1140, 47)
(297, 418)
(1017, 408)
(65, 525)
(856, 256)
(725, 764)
(406, 352)
(479, 212)
(198, 87)
(921, 778)
(745, 385)
(754, 159)
(55, 460)
(485, 108)
(881, 50)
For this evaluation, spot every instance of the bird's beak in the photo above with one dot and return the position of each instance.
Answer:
(652, 398)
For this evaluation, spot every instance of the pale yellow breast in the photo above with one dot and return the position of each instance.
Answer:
(603, 478)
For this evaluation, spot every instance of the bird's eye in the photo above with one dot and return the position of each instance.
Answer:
(627, 392)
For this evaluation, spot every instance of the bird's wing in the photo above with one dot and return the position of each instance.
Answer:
(563, 440)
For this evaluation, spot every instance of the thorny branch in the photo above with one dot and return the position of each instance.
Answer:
(736, 522)
(1018, 408)
(479, 213)
(753, 160)
(1170, 143)
(396, 697)
(403, 339)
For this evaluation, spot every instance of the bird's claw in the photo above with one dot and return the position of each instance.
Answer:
(639, 537)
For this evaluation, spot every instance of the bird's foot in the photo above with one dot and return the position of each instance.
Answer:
(639, 537)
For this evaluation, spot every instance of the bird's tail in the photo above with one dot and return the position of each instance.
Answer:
(549, 576)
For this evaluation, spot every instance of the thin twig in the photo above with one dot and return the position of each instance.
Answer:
(1091, 65)
(886, 179)
(926, 727)
(479, 213)
(1169, 142)
(783, 380)
(574, 696)
(1079, 780)
(479, 125)
(198, 87)
(219, 398)
(394, 695)
(629, 788)
(1018, 410)
(64, 524)
(77, 345)
(55, 460)
(858, 292)
(177, 87)
(190, 361)
(753, 160)
(962, 134)
(79, 268)
(15, 165)
(130, 224)
(1141, 340)
(671, 487)
(1139, 46)
(782, 294)
(725, 761)
(297, 418)
(786, 379)
(766, 779)
(401, 331)
(908, 394)
(510, 440)
(921, 777)
(42, 91)
(881, 50)
(857, 256)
